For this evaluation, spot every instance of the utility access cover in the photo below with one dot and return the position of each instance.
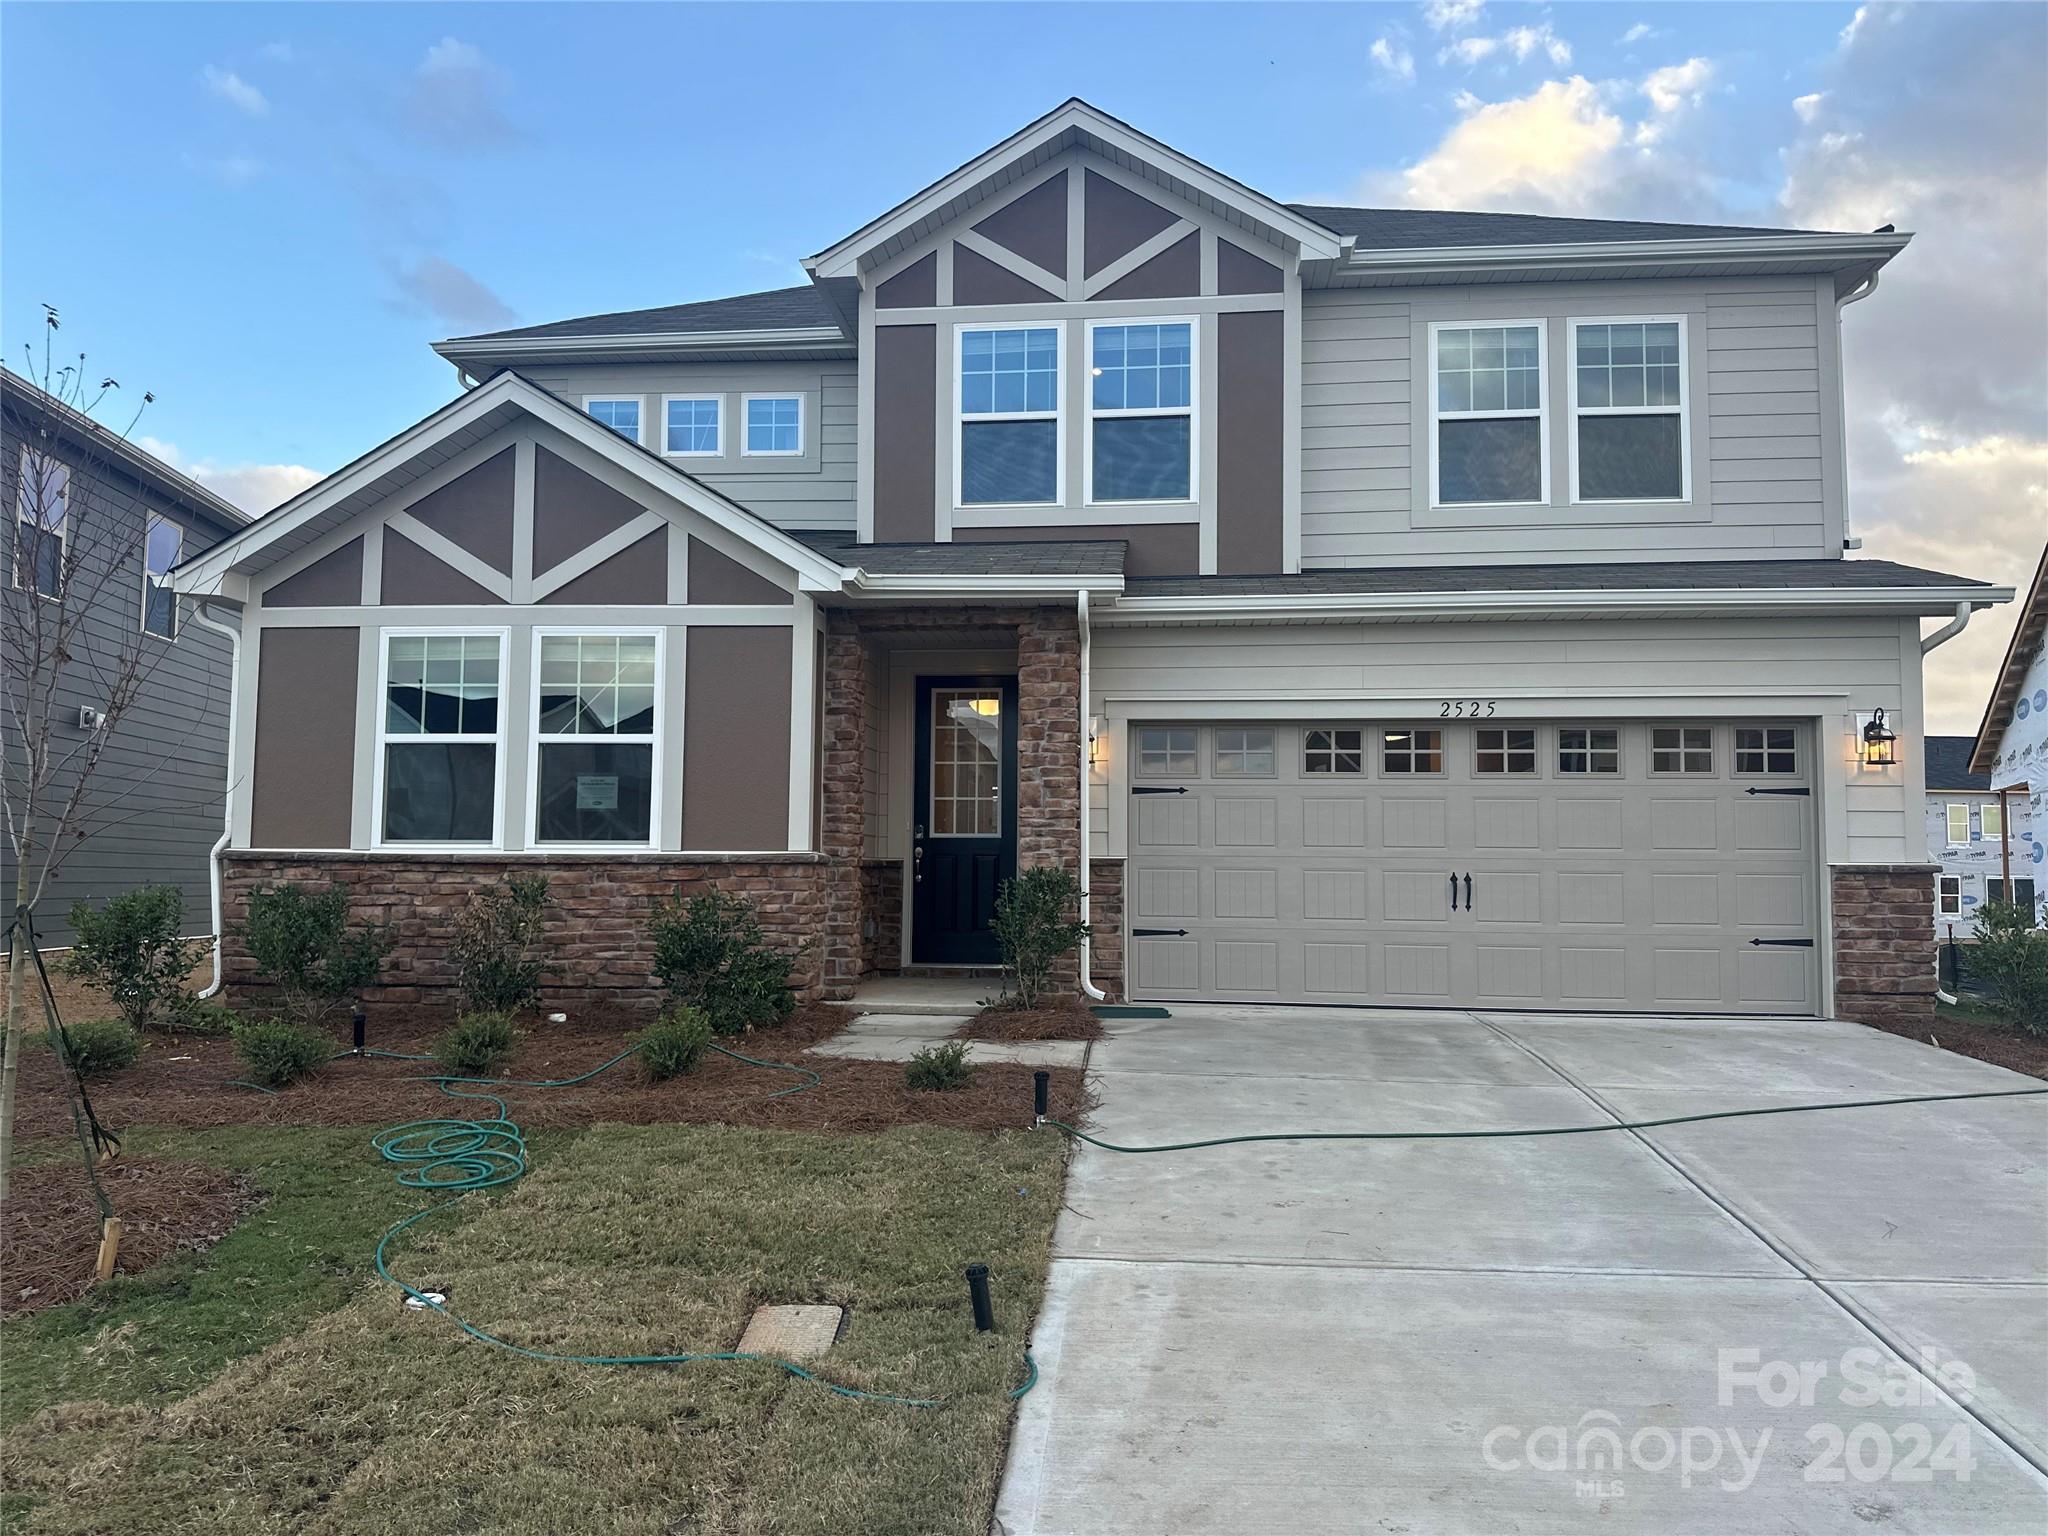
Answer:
(791, 1333)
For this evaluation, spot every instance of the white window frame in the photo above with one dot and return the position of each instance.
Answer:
(1139, 751)
(1990, 823)
(640, 401)
(1542, 413)
(1574, 411)
(1058, 413)
(1192, 410)
(385, 636)
(1943, 896)
(534, 739)
(149, 521)
(749, 452)
(1953, 807)
(715, 452)
(61, 533)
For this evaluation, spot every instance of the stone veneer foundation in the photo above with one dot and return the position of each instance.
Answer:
(1106, 927)
(1883, 946)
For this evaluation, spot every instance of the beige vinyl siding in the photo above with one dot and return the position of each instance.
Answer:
(1533, 669)
(818, 493)
(1762, 377)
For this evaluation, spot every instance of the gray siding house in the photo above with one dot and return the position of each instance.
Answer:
(154, 805)
(1980, 840)
(1372, 607)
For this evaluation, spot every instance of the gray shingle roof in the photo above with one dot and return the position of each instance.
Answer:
(1631, 576)
(1401, 229)
(776, 309)
(1021, 557)
(1948, 764)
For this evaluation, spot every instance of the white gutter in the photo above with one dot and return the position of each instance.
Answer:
(1948, 631)
(1441, 261)
(1862, 290)
(228, 811)
(1087, 952)
(679, 342)
(941, 584)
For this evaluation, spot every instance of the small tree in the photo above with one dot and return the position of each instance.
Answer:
(130, 947)
(2011, 955)
(1037, 922)
(303, 944)
(710, 954)
(499, 944)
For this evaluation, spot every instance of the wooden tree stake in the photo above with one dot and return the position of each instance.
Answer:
(110, 1246)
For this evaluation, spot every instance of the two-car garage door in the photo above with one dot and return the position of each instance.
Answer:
(1595, 865)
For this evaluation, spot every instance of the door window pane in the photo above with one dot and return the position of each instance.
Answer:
(966, 762)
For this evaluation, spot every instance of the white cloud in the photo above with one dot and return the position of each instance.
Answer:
(1468, 50)
(1555, 138)
(1451, 15)
(1393, 58)
(235, 91)
(451, 295)
(255, 488)
(1519, 41)
(455, 96)
(1640, 32)
(1678, 85)
(1808, 106)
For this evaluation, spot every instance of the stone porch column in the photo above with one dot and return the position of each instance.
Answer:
(1049, 739)
(842, 833)
(1883, 942)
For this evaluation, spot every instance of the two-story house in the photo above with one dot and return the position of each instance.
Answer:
(1982, 842)
(2010, 750)
(98, 523)
(1375, 606)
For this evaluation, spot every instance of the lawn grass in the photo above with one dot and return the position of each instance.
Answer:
(292, 1395)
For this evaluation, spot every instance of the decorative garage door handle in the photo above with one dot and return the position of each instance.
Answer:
(1155, 789)
(1802, 790)
(1454, 892)
(1782, 943)
(1468, 892)
(1159, 933)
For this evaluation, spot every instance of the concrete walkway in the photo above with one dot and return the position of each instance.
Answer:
(1543, 1334)
(900, 1036)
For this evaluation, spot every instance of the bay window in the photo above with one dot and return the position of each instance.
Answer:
(1007, 451)
(596, 731)
(162, 541)
(441, 738)
(1141, 411)
(1487, 415)
(1629, 410)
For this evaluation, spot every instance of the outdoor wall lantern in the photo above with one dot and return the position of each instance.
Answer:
(1880, 743)
(1095, 733)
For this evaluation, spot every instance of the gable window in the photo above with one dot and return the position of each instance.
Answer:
(1166, 749)
(596, 714)
(42, 499)
(1765, 749)
(1949, 896)
(1504, 751)
(1990, 822)
(1412, 752)
(1009, 420)
(1333, 750)
(162, 541)
(1486, 414)
(1682, 749)
(1243, 754)
(1588, 749)
(619, 412)
(1629, 410)
(1141, 411)
(440, 738)
(1958, 824)
(691, 426)
(775, 425)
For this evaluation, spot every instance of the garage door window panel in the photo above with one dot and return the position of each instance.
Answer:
(1333, 749)
(1409, 754)
(1167, 751)
(1244, 753)
(1682, 749)
(1508, 752)
(1585, 749)
(1765, 751)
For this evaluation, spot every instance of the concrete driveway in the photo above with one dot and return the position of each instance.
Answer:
(1700, 1328)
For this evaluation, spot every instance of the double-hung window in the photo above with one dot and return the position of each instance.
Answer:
(162, 541)
(1958, 825)
(1008, 449)
(691, 426)
(595, 737)
(1990, 822)
(619, 412)
(1141, 411)
(42, 497)
(1629, 410)
(1486, 414)
(775, 426)
(1949, 896)
(441, 738)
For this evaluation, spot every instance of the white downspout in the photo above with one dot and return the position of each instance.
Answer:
(1942, 636)
(1861, 291)
(228, 808)
(1087, 793)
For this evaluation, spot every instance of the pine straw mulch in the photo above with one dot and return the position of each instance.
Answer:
(50, 1227)
(186, 1083)
(1055, 1021)
(2000, 1044)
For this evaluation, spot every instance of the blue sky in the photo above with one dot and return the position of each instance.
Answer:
(265, 212)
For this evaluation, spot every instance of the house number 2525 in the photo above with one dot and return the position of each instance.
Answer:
(1465, 709)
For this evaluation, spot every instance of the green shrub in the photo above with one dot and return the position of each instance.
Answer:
(2011, 955)
(499, 945)
(276, 1051)
(939, 1068)
(303, 943)
(102, 1046)
(1037, 921)
(710, 954)
(129, 947)
(673, 1043)
(477, 1043)
(202, 1016)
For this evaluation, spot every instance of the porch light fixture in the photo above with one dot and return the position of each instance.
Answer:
(1879, 743)
(1095, 741)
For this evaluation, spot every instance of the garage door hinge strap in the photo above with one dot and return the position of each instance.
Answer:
(1802, 790)
(1159, 933)
(1156, 789)
(1781, 943)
